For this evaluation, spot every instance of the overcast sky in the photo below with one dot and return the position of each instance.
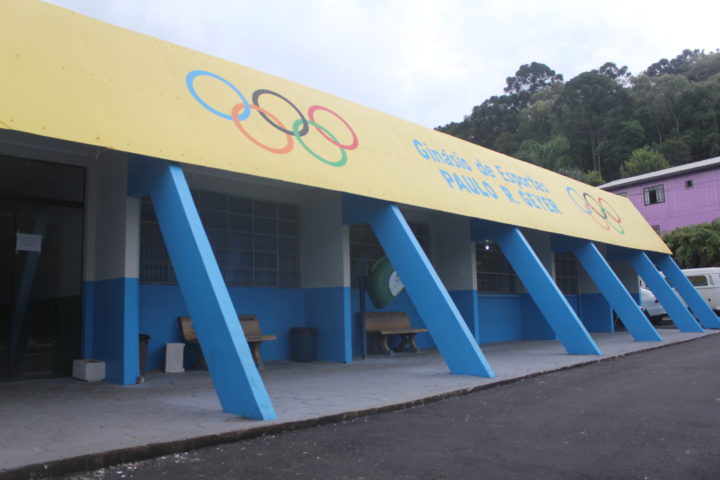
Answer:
(425, 61)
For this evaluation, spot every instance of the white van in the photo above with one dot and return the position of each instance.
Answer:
(707, 282)
(650, 306)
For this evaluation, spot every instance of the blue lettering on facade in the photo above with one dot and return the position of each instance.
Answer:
(441, 156)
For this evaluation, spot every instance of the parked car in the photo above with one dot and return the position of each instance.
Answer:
(707, 283)
(650, 306)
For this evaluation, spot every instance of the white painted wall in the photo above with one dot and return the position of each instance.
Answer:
(325, 242)
(114, 220)
(454, 252)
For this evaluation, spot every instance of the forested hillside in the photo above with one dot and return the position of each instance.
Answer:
(606, 123)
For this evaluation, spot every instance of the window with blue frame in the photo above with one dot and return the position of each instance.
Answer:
(255, 242)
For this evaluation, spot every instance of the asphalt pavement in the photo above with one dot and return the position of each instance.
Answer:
(650, 415)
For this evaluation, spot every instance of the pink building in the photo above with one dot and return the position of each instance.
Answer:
(674, 197)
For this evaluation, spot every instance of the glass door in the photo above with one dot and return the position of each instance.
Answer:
(40, 286)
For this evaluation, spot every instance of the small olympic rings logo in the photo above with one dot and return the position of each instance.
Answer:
(299, 128)
(599, 209)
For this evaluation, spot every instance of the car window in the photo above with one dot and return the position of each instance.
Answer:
(699, 280)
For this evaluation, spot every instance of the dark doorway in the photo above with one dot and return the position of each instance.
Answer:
(41, 245)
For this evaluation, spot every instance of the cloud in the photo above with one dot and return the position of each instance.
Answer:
(426, 61)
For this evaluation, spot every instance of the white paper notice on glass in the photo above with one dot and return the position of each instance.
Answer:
(28, 242)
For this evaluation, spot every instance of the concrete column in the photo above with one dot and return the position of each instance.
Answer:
(325, 257)
(655, 282)
(238, 384)
(431, 299)
(609, 284)
(111, 286)
(456, 265)
(540, 285)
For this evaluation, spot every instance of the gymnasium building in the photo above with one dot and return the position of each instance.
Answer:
(141, 182)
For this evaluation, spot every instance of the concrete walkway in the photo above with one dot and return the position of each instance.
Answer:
(61, 425)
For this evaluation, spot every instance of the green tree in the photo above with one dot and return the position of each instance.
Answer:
(705, 68)
(573, 172)
(620, 74)
(696, 245)
(669, 99)
(537, 121)
(676, 151)
(492, 124)
(702, 119)
(593, 177)
(678, 65)
(663, 105)
(458, 129)
(620, 140)
(604, 115)
(532, 78)
(551, 154)
(643, 160)
(645, 111)
(586, 108)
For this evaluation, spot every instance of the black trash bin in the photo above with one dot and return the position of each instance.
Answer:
(144, 339)
(302, 344)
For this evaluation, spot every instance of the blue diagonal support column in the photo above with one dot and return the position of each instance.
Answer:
(665, 295)
(432, 301)
(547, 296)
(692, 297)
(237, 381)
(614, 292)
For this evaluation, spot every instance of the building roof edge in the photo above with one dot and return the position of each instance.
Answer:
(664, 173)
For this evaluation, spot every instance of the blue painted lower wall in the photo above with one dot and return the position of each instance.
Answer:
(111, 328)
(595, 313)
(466, 302)
(110, 332)
(504, 318)
(535, 326)
(277, 310)
(328, 310)
(88, 319)
(401, 303)
(499, 318)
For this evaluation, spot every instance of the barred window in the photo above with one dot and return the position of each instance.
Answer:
(365, 249)
(494, 272)
(256, 243)
(566, 273)
(155, 266)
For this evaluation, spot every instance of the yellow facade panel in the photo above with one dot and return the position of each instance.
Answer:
(71, 77)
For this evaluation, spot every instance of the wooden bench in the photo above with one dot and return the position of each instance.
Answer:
(381, 325)
(251, 329)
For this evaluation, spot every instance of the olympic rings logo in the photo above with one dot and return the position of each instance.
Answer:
(300, 127)
(599, 209)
